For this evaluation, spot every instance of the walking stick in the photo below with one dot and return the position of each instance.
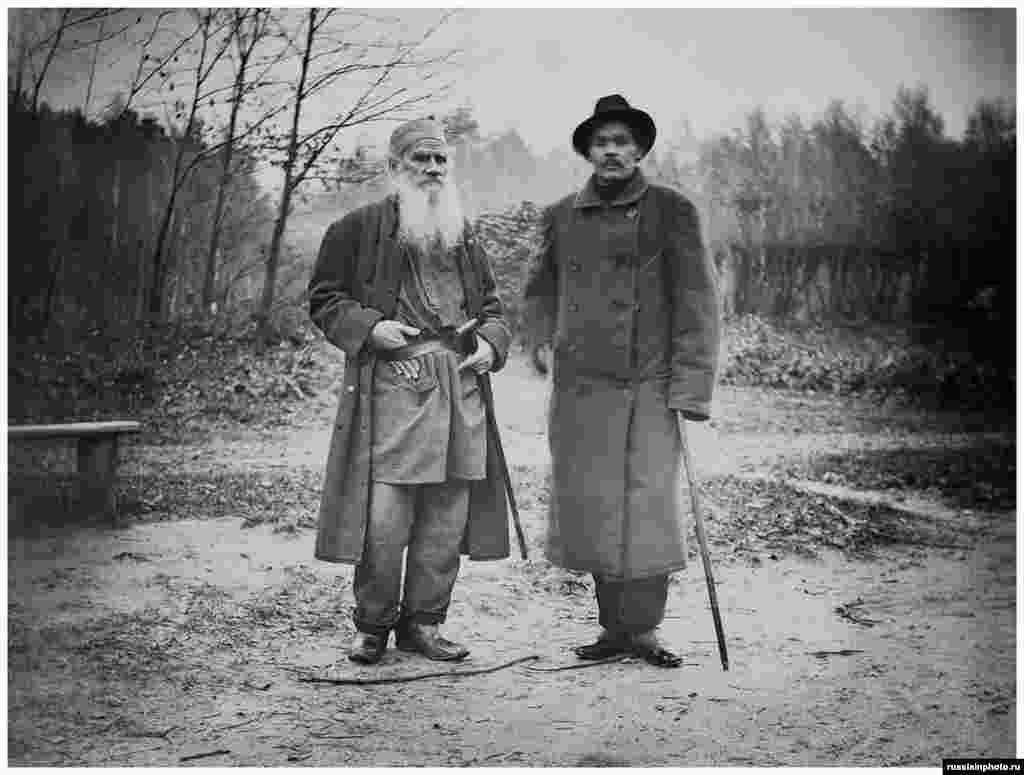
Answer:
(492, 424)
(466, 332)
(698, 523)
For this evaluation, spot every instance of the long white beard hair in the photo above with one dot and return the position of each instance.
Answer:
(427, 216)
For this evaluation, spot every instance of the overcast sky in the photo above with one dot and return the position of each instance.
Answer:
(542, 70)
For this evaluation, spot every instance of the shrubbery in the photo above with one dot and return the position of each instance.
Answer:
(180, 375)
(842, 359)
(169, 379)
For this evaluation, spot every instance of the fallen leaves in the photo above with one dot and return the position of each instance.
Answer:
(290, 497)
(768, 515)
(973, 472)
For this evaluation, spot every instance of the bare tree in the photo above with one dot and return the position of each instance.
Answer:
(248, 28)
(46, 36)
(213, 45)
(332, 56)
(156, 60)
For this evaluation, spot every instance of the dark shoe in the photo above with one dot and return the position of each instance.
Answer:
(648, 648)
(603, 648)
(367, 648)
(426, 640)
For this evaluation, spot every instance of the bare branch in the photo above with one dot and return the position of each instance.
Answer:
(50, 54)
(140, 82)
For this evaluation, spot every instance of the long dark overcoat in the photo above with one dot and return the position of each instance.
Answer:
(355, 283)
(635, 314)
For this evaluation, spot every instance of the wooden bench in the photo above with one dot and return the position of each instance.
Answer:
(97, 456)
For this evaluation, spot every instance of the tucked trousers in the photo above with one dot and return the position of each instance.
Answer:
(632, 606)
(427, 521)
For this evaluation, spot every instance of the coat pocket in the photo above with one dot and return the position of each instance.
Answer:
(391, 376)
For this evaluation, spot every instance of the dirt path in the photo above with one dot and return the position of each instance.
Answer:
(158, 641)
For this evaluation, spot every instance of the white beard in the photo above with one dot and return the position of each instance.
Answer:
(428, 216)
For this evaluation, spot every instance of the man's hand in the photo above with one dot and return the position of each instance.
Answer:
(541, 358)
(482, 359)
(390, 334)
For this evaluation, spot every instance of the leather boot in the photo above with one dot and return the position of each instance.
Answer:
(426, 640)
(606, 646)
(367, 648)
(648, 647)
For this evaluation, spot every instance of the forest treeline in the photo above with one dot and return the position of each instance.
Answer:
(899, 224)
(133, 218)
(822, 222)
(87, 200)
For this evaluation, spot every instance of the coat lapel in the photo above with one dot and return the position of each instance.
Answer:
(385, 260)
(468, 262)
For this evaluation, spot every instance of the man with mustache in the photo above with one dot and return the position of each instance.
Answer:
(624, 284)
(402, 288)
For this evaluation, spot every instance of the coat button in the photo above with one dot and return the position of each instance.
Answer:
(575, 266)
(351, 388)
(574, 307)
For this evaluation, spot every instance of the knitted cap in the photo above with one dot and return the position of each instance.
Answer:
(416, 131)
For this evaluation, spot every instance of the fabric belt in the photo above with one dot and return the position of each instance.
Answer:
(417, 349)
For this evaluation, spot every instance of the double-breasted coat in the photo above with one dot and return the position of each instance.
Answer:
(633, 305)
(355, 283)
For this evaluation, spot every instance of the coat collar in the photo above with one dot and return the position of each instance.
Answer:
(588, 196)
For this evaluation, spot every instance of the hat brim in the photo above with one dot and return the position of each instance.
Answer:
(640, 122)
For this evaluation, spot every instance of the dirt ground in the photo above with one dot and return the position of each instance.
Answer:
(866, 626)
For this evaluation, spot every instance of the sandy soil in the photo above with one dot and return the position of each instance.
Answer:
(192, 641)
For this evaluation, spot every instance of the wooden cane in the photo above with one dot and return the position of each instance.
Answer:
(492, 425)
(466, 332)
(698, 523)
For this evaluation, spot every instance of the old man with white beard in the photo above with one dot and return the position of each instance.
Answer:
(402, 288)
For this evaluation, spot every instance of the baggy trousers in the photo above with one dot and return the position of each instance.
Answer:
(629, 607)
(426, 520)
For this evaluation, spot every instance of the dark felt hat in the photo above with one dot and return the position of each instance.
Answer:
(615, 108)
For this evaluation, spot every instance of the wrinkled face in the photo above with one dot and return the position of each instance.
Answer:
(425, 165)
(429, 207)
(614, 151)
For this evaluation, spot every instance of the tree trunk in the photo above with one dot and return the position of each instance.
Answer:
(58, 35)
(140, 262)
(210, 268)
(273, 259)
(160, 250)
(22, 63)
(210, 273)
(155, 305)
(112, 290)
(175, 285)
(290, 183)
(92, 69)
